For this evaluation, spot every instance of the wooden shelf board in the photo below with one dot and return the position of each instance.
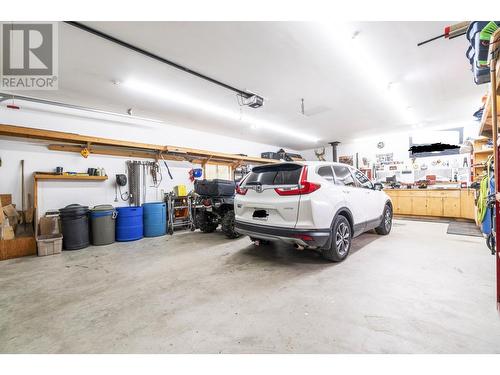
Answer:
(484, 152)
(485, 127)
(69, 177)
(122, 148)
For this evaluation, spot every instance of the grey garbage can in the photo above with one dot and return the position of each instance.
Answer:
(102, 223)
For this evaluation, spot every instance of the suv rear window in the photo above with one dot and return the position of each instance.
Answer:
(283, 174)
(343, 176)
(326, 172)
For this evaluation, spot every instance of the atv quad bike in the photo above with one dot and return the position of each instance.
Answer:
(215, 206)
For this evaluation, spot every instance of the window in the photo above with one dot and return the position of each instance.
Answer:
(326, 172)
(282, 174)
(363, 181)
(343, 176)
(213, 171)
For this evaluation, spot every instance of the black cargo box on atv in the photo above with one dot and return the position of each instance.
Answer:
(215, 188)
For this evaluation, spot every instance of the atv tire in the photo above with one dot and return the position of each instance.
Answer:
(206, 223)
(228, 225)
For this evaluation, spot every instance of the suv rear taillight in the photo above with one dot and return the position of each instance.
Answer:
(305, 187)
(240, 191)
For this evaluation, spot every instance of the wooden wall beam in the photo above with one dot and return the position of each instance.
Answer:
(181, 152)
(51, 135)
(118, 152)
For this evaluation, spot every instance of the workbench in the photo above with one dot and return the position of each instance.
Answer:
(447, 203)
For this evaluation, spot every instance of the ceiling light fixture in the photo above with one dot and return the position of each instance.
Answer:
(189, 101)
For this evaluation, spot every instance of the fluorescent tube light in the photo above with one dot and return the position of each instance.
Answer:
(188, 101)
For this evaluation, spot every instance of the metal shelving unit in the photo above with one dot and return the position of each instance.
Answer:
(180, 212)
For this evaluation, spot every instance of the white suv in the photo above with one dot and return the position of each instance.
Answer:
(319, 205)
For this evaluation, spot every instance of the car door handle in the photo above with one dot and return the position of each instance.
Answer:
(346, 191)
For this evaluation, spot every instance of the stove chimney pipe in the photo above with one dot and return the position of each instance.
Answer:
(334, 150)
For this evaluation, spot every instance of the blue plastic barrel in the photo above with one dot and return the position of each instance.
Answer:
(129, 223)
(155, 219)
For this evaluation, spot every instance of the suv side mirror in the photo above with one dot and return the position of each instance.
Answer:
(377, 186)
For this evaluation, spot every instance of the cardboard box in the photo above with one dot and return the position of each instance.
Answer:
(10, 210)
(5, 199)
(7, 232)
(49, 225)
(11, 214)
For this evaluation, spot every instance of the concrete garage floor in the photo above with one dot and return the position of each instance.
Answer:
(418, 290)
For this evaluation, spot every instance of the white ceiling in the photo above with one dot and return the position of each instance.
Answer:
(345, 82)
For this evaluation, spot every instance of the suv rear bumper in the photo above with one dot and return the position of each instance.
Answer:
(304, 237)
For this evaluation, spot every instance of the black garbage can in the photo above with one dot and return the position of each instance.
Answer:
(75, 226)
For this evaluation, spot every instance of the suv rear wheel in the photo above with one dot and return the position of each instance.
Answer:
(340, 242)
(386, 224)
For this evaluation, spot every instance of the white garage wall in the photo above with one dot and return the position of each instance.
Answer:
(57, 194)
(397, 143)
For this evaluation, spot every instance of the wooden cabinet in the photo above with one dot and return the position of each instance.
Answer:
(453, 203)
(404, 204)
(467, 206)
(418, 205)
(434, 206)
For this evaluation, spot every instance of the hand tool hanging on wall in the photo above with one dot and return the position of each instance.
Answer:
(26, 217)
(166, 166)
(155, 171)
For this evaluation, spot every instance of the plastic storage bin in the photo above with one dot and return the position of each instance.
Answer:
(49, 244)
(102, 224)
(129, 225)
(155, 219)
(75, 226)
